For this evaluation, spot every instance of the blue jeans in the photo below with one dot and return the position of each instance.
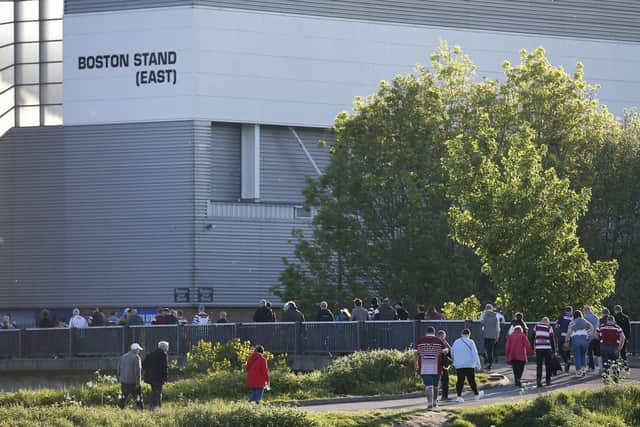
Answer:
(431, 380)
(579, 347)
(256, 395)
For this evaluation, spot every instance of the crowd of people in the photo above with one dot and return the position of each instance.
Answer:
(595, 343)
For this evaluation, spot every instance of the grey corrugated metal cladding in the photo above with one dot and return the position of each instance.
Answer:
(597, 19)
(96, 214)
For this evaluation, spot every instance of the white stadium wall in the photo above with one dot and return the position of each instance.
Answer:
(258, 67)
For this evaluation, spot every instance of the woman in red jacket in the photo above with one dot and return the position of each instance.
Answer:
(518, 347)
(257, 374)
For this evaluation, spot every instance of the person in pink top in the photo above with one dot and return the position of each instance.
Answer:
(517, 349)
(433, 314)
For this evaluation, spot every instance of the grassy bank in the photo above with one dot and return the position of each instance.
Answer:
(212, 414)
(363, 374)
(612, 406)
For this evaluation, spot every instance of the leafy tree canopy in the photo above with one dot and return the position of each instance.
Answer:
(437, 161)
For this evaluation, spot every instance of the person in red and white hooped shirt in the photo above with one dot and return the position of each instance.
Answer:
(544, 345)
(611, 341)
(429, 363)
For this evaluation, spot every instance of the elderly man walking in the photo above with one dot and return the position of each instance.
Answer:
(156, 369)
(129, 375)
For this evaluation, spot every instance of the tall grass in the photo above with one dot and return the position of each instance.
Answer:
(612, 406)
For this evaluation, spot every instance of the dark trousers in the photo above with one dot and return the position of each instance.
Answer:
(623, 351)
(564, 354)
(518, 370)
(444, 383)
(543, 356)
(156, 395)
(593, 350)
(490, 350)
(470, 375)
(130, 389)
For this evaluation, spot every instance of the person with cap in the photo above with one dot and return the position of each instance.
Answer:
(129, 375)
(156, 370)
(562, 324)
(78, 321)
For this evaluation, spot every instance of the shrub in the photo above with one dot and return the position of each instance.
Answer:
(220, 357)
(366, 370)
(468, 309)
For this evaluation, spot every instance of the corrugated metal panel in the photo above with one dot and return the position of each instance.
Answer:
(251, 210)
(242, 258)
(225, 166)
(96, 214)
(609, 20)
(284, 164)
(86, 6)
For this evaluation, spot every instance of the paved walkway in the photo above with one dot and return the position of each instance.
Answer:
(504, 394)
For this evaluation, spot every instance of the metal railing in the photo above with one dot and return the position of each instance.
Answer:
(279, 337)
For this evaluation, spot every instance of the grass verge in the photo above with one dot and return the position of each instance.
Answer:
(614, 406)
(217, 413)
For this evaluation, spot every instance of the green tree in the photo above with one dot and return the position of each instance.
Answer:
(381, 226)
(611, 228)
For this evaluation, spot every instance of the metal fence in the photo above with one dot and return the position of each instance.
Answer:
(281, 337)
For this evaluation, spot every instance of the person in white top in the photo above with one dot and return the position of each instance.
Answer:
(78, 321)
(466, 361)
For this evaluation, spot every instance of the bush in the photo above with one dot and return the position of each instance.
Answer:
(365, 371)
(468, 309)
(220, 357)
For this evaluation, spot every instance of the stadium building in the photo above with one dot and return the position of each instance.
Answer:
(154, 151)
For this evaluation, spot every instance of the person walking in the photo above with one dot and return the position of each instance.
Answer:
(7, 323)
(77, 321)
(359, 313)
(291, 313)
(134, 319)
(578, 332)
(257, 374)
(612, 340)
(516, 351)
(156, 370)
(400, 311)
(263, 313)
(490, 333)
(446, 364)
(562, 324)
(433, 314)
(622, 320)
(386, 312)
(324, 314)
(518, 320)
(545, 348)
(201, 318)
(593, 349)
(344, 315)
(420, 315)
(374, 309)
(466, 361)
(428, 361)
(129, 374)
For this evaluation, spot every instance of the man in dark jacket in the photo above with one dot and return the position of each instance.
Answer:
(386, 312)
(324, 314)
(291, 313)
(156, 369)
(263, 313)
(402, 313)
(622, 320)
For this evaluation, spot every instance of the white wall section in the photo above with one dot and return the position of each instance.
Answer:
(268, 68)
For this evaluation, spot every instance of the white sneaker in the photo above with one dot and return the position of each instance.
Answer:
(459, 399)
(480, 395)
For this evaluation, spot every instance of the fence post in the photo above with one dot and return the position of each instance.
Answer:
(20, 344)
(359, 335)
(70, 346)
(416, 332)
(178, 339)
(123, 341)
(296, 334)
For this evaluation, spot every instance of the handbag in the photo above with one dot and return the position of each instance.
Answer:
(556, 363)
